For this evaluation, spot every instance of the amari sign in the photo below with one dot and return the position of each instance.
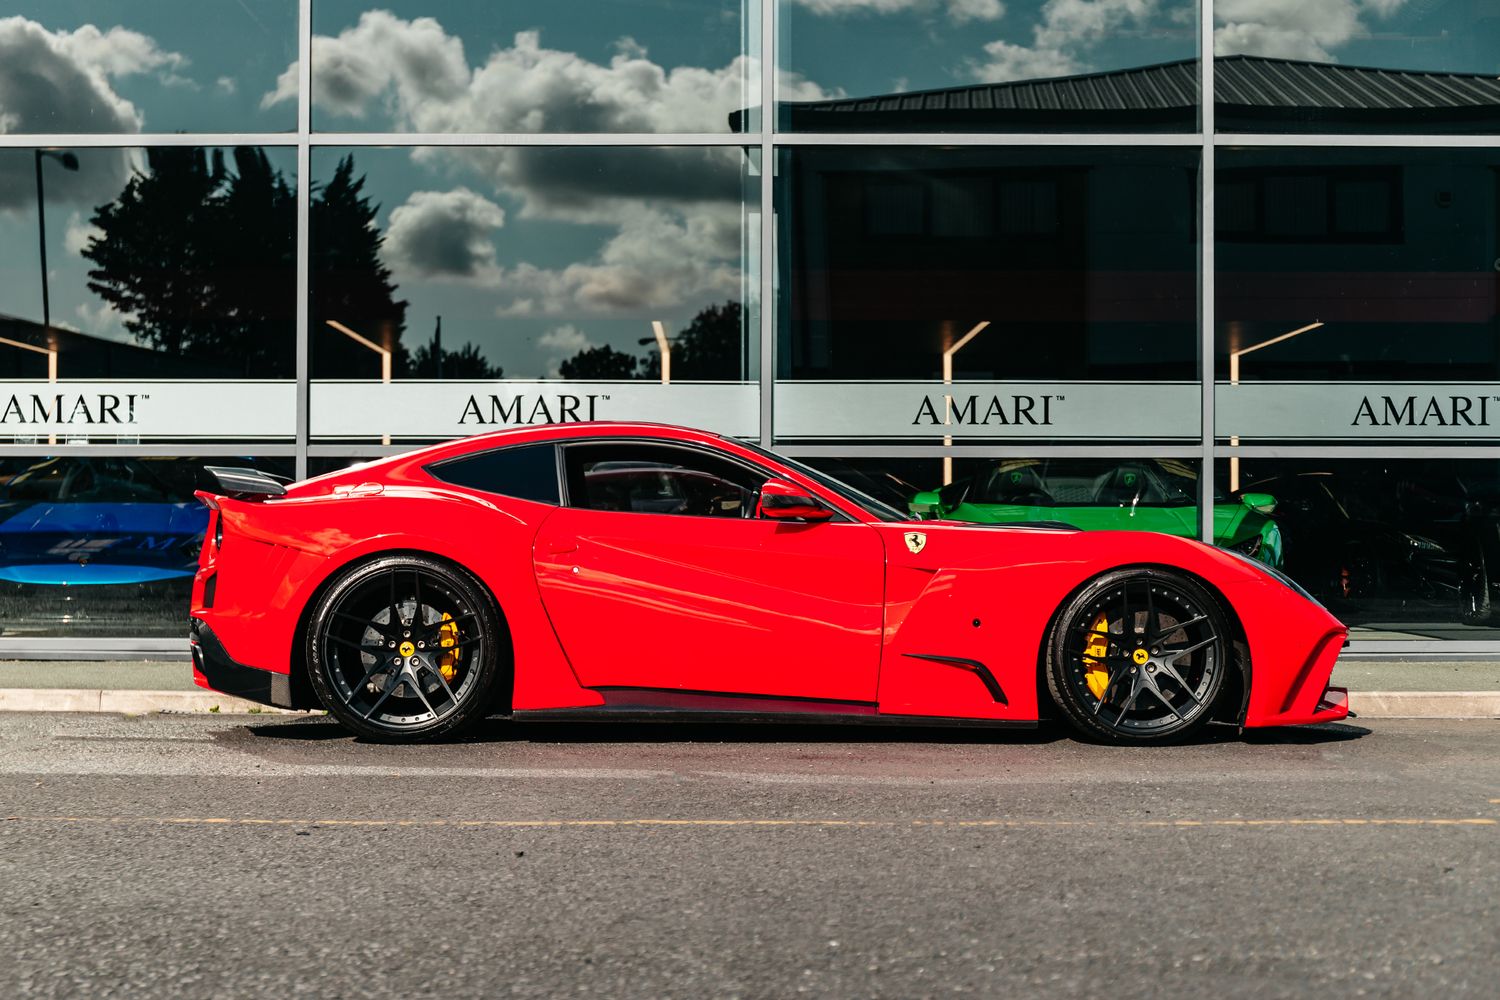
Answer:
(81, 410)
(1039, 411)
(1358, 411)
(432, 409)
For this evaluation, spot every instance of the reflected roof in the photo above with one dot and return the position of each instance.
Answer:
(1251, 88)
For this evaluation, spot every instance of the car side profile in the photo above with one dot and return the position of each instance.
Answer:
(601, 570)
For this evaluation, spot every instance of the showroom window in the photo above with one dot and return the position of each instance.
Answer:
(989, 260)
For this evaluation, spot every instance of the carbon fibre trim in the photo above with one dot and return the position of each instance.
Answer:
(973, 666)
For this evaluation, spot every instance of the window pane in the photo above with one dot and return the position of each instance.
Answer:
(1381, 66)
(103, 546)
(456, 290)
(169, 288)
(645, 479)
(1013, 293)
(163, 66)
(1396, 548)
(534, 65)
(1357, 295)
(528, 472)
(987, 66)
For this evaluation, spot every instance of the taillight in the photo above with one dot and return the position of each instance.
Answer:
(218, 530)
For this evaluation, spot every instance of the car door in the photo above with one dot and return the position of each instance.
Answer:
(657, 574)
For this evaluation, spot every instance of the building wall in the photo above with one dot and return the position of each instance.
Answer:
(293, 235)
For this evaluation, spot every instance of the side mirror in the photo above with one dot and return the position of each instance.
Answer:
(781, 501)
(926, 505)
(1261, 503)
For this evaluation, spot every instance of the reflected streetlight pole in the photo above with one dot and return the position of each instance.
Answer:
(664, 348)
(948, 398)
(385, 357)
(1234, 379)
(69, 162)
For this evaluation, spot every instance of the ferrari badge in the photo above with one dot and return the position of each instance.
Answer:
(916, 541)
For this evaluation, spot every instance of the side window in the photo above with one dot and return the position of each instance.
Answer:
(528, 472)
(659, 479)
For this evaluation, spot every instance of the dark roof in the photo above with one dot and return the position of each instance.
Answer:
(1251, 91)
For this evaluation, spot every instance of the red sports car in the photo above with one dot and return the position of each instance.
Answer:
(602, 570)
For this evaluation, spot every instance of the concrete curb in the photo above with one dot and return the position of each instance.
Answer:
(1425, 704)
(125, 702)
(1365, 704)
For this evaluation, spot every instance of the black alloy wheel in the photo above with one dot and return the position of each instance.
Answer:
(1139, 656)
(404, 648)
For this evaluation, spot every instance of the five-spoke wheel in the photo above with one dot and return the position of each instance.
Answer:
(1139, 656)
(404, 647)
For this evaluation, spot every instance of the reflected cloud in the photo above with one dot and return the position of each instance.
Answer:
(1305, 29)
(444, 235)
(420, 75)
(959, 10)
(1064, 36)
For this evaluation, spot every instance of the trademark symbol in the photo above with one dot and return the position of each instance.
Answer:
(604, 397)
(1061, 398)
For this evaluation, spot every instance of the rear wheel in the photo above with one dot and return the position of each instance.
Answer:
(404, 648)
(1139, 656)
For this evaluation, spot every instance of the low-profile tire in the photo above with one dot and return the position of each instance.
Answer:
(405, 648)
(1164, 646)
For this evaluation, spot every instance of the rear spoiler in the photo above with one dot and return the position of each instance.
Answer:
(246, 484)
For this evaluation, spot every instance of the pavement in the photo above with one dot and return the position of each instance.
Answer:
(1379, 688)
(203, 856)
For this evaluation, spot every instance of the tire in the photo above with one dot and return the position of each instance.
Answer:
(1161, 682)
(386, 662)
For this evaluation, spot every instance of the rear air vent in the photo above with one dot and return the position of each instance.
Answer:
(210, 586)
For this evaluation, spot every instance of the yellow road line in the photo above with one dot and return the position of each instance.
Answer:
(762, 823)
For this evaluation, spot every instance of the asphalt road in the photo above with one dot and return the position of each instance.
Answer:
(234, 857)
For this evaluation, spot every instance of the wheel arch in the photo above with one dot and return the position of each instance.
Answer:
(1234, 703)
(301, 684)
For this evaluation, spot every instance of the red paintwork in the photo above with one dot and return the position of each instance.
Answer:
(598, 600)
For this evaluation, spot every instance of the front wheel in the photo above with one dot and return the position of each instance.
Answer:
(404, 648)
(1139, 656)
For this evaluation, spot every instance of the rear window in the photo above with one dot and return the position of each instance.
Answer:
(528, 472)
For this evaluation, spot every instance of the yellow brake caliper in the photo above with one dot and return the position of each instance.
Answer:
(1097, 677)
(447, 638)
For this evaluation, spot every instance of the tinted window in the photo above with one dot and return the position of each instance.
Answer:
(656, 479)
(529, 473)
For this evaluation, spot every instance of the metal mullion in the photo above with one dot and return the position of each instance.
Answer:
(942, 139)
(1355, 140)
(304, 236)
(767, 221)
(1357, 451)
(130, 140)
(183, 450)
(794, 450)
(530, 138)
(1207, 287)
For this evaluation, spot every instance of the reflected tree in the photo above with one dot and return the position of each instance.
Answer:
(350, 284)
(599, 364)
(432, 360)
(707, 349)
(199, 259)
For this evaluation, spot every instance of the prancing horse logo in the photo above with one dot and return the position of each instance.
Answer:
(916, 541)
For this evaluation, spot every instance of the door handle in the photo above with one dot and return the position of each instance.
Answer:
(559, 548)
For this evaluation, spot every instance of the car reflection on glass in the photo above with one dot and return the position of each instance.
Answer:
(91, 537)
(1376, 543)
(1159, 495)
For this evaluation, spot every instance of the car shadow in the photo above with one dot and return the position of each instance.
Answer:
(499, 730)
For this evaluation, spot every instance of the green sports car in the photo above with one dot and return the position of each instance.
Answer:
(1159, 495)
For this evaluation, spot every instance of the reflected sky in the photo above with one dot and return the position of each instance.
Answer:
(159, 66)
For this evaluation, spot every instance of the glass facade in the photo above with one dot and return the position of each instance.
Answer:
(991, 261)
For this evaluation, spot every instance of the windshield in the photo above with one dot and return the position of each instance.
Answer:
(1086, 483)
(864, 501)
